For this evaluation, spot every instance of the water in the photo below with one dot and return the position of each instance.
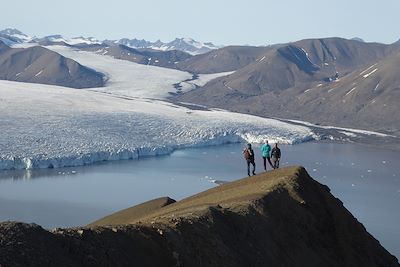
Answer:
(366, 179)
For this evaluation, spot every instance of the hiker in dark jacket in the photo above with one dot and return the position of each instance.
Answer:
(276, 156)
(248, 154)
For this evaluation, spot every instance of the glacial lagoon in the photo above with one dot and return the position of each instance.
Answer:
(366, 179)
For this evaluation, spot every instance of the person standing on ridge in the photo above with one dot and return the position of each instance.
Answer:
(248, 154)
(276, 156)
(266, 150)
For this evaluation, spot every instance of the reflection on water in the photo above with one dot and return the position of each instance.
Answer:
(367, 180)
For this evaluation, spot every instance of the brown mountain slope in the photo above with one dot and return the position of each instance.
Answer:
(226, 59)
(279, 218)
(297, 81)
(130, 214)
(40, 65)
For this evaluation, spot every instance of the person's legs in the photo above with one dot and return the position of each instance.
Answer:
(270, 163)
(277, 163)
(248, 167)
(254, 167)
(274, 162)
(265, 163)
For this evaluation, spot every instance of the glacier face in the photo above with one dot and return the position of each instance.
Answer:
(45, 126)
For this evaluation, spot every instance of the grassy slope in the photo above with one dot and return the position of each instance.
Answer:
(238, 193)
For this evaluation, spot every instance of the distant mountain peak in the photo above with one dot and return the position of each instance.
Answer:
(13, 36)
(188, 45)
(11, 31)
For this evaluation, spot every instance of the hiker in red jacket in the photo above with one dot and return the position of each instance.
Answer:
(248, 154)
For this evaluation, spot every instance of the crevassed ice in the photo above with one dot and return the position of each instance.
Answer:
(88, 138)
(47, 126)
(44, 126)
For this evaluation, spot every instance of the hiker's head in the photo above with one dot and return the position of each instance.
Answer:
(249, 145)
(276, 144)
(266, 141)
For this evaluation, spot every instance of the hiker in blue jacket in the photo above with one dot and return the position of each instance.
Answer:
(266, 151)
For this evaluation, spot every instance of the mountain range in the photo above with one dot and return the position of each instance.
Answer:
(12, 36)
(330, 81)
(326, 81)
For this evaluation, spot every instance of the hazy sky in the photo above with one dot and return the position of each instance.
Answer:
(255, 22)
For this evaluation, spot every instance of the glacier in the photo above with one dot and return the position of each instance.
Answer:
(46, 126)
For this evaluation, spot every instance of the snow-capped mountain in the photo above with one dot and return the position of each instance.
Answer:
(187, 45)
(70, 41)
(13, 36)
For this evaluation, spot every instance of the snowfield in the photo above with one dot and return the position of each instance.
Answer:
(45, 126)
(127, 78)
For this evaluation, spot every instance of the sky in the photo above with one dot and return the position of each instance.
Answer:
(223, 22)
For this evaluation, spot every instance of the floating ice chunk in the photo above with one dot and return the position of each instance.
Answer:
(369, 170)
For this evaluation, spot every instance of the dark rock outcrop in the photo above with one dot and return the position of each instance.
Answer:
(279, 218)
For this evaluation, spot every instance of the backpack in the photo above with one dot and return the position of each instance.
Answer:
(246, 153)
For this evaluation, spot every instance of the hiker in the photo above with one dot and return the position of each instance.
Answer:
(276, 156)
(266, 150)
(249, 157)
